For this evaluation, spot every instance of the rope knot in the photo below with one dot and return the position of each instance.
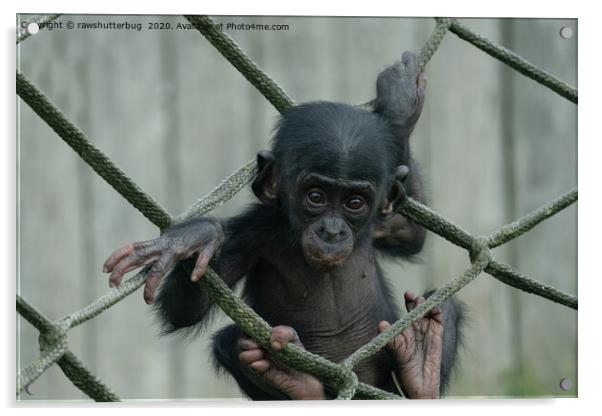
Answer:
(348, 384)
(49, 340)
(479, 248)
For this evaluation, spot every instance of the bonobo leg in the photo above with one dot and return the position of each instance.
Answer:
(426, 351)
(258, 376)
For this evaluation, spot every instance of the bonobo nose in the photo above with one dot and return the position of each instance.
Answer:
(332, 230)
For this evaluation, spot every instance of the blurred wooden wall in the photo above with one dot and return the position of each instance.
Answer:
(178, 118)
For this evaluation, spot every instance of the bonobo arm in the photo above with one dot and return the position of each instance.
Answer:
(400, 98)
(180, 257)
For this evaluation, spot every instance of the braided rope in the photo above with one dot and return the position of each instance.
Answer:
(31, 373)
(249, 69)
(23, 33)
(93, 156)
(434, 41)
(515, 61)
(340, 377)
(371, 348)
(425, 54)
(524, 224)
(434, 222)
(84, 380)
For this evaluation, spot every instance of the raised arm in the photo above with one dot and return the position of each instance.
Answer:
(400, 98)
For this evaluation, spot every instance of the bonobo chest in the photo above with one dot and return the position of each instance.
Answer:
(334, 312)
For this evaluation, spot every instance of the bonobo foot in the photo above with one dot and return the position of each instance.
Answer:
(418, 351)
(400, 92)
(295, 384)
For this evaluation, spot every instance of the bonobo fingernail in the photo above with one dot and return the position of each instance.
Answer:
(276, 345)
(105, 269)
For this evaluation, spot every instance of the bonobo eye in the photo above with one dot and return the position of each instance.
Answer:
(355, 203)
(316, 197)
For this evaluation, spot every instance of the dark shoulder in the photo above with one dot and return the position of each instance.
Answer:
(257, 223)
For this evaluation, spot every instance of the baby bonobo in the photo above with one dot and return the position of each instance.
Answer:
(329, 193)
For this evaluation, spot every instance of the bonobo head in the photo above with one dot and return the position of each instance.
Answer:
(332, 172)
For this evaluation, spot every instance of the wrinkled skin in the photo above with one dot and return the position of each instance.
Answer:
(203, 238)
(417, 351)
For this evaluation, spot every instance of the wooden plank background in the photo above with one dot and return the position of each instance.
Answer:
(178, 118)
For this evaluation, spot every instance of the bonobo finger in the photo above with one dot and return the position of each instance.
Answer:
(250, 356)
(128, 264)
(394, 344)
(126, 251)
(150, 287)
(401, 172)
(409, 60)
(248, 344)
(421, 81)
(260, 366)
(383, 326)
(282, 335)
(155, 274)
(409, 298)
(202, 261)
(436, 314)
(116, 256)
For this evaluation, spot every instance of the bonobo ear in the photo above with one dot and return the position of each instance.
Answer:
(397, 193)
(265, 186)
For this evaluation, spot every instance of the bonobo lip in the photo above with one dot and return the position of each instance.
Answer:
(323, 256)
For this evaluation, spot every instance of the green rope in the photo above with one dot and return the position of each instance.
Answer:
(23, 34)
(32, 315)
(103, 303)
(94, 157)
(260, 331)
(524, 224)
(425, 54)
(379, 342)
(33, 371)
(515, 61)
(222, 193)
(366, 391)
(434, 222)
(84, 380)
(514, 278)
(54, 346)
(249, 69)
(434, 41)
(429, 219)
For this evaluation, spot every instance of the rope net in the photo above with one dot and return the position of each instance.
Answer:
(339, 378)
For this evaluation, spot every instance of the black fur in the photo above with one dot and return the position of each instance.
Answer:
(265, 243)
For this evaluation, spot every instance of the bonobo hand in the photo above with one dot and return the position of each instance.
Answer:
(418, 351)
(400, 92)
(204, 236)
(295, 384)
(401, 174)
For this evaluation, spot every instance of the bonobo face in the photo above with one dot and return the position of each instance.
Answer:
(333, 212)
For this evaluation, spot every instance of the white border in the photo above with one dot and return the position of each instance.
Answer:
(589, 205)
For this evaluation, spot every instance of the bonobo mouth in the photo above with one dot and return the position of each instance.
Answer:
(322, 256)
